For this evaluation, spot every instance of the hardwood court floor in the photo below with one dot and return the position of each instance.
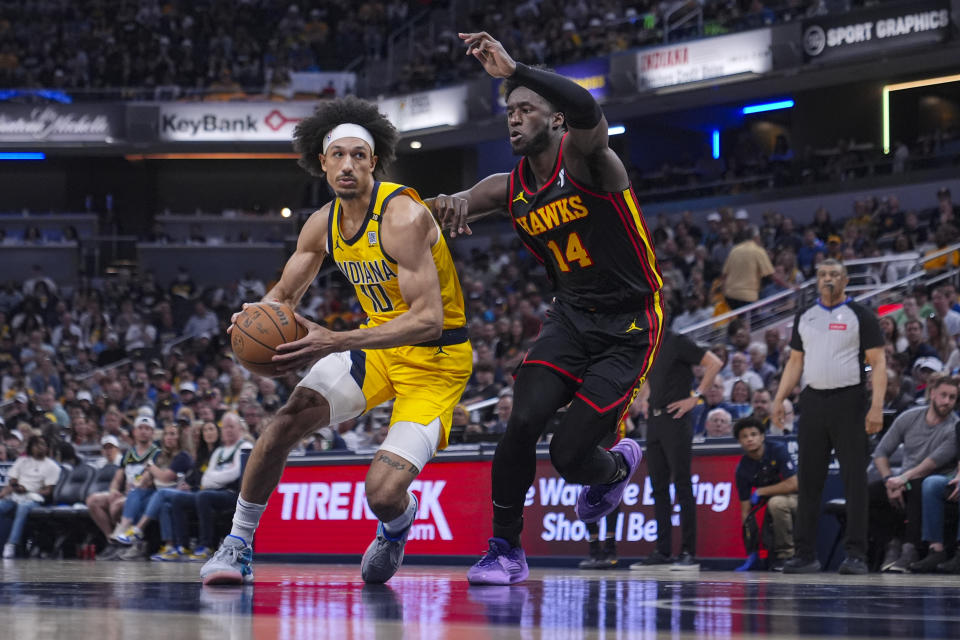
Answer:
(97, 600)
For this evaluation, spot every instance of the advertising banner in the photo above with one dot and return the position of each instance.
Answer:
(589, 74)
(322, 509)
(232, 121)
(697, 60)
(61, 123)
(837, 36)
(428, 109)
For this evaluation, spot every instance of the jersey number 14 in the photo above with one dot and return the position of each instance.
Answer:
(573, 253)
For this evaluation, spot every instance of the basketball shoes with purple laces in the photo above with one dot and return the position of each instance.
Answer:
(500, 565)
(598, 500)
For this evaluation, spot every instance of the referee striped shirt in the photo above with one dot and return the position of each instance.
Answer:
(833, 341)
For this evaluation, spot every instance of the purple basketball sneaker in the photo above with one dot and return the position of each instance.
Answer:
(500, 565)
(598, 500)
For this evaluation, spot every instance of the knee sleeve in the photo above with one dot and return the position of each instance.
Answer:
(414, 442)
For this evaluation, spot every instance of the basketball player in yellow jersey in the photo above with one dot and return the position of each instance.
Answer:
(413, 348)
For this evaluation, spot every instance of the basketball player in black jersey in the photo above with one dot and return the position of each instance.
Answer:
(571, 203)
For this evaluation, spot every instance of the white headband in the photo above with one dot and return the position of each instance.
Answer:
(347, 130)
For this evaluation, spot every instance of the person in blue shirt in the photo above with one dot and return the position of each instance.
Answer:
(767, 472)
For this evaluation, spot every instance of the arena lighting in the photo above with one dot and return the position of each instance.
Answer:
(768, 106)
(415, 144)
(890, 88)
(137, 157)
(716, 143)
(22, 155)
(616, 130)
(285, 212)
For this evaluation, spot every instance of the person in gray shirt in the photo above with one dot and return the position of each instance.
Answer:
(929, 446)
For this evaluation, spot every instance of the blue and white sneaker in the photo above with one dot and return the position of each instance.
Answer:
(231, 564)
(384, 556)
(131, 536)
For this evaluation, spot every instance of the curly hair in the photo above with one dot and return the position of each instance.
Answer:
(309, 134)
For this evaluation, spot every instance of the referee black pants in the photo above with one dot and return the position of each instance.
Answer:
(669, 451)
(832, 420)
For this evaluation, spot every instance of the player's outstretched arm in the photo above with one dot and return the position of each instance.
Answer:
(456, 212)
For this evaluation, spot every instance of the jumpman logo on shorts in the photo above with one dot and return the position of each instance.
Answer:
(633, 327)
(440, 352)
(520, 198)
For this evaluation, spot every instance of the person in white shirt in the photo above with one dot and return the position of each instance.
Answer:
(218, 487)
(31, 481)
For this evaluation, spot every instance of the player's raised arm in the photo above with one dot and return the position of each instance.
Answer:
(584, 118)
(456, 211)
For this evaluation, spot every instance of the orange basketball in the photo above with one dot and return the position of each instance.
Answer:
(259, 330)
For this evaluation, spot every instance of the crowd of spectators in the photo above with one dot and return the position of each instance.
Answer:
(170, 49)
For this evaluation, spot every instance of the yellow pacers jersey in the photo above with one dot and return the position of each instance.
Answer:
(373, 272)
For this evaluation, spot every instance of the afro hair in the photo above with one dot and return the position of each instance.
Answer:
(309, 134)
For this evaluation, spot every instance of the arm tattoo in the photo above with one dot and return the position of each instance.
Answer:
(393, 463)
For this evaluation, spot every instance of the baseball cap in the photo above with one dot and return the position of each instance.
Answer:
(158, 371)
(713, 216)
(84, 395)
(21, 397)
(741, 214)
(188, 386)
(16, 434)
(145, 411)
(109, 440)
(147, 420)
(928, 362)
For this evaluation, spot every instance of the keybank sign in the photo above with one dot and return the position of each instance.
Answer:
(210, 122)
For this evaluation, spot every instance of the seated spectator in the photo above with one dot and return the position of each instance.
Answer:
(458, 424)
(760, 407)
(740, 370)
(767, 472)
(929, 446)
(719, 424)
(694, 312)
(109, 452)
(163, 472)
(712, 399)
(30, 482)
(504, 408)
(218, 489)
(483, 385)
(789, 420)
(938, 489)
(106, 507)
(917, 346)
(740, 396)
(758, 362)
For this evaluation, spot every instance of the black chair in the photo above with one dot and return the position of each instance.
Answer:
(70, 491)
(102, 479)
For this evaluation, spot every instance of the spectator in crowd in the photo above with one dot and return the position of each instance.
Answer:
(760, 407)
(162, 472)
(745, 270)
(712, 399)
(740, 371)
(218, 489)
(30, 482)
(943, 311)
(928, 437)
(917, 346)
(504, 408)
(766, 472)
(719, 424)
(106, 508)
(203, 322)
(759, 364)
(938, 489)
(110, 453)
(740, 395)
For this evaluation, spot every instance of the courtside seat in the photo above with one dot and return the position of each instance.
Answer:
(70, 491)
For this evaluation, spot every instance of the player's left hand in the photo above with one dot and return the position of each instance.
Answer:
(681, 408)
(318, 343)
(491, 54)
(874, 420)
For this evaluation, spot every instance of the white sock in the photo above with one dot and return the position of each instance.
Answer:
(245, 519)
(399, 524)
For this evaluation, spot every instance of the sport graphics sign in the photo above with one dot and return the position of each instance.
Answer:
(231, 122)
(322, 509)
(871, 31)
(698, 60)
(60, 123)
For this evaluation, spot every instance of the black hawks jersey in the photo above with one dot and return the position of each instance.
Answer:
(595, 246)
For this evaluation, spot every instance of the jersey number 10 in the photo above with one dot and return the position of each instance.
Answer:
(379, 300)
(573, 253)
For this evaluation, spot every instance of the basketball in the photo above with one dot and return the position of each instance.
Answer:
(259, 330)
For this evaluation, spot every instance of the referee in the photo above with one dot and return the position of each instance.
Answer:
(831, 340)
(669, 443)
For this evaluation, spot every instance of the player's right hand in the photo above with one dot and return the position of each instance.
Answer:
(452, 213)
(491, 54)
(233, 318)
